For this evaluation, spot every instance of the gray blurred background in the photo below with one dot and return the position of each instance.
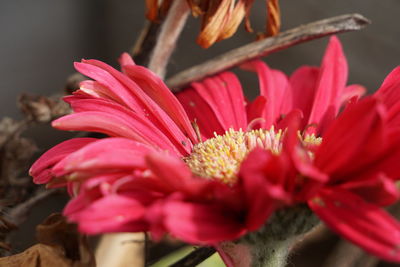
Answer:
(39, 40)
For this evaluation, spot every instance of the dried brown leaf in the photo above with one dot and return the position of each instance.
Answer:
(41, 108)
(60, 245)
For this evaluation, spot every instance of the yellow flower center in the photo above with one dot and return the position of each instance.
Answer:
(220, 157)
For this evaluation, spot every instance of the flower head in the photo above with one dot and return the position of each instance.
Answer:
(208, 166)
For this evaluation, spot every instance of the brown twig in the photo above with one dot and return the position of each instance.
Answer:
(19, 213)
(145, 43)
(346, 254)
(195, 257)
(166, 41)
(318, 29)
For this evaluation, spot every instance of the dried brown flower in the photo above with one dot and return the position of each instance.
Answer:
(220, 18)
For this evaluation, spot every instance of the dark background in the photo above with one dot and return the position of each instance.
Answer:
(40, 39)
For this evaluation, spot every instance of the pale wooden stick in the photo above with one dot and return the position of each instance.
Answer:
(121, 250)
(318, 29)
(166, 41)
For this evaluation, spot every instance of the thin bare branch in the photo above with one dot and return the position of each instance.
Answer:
(166, 41)
(314, 30)
(19, 213)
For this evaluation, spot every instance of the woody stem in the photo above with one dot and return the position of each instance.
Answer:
(167, 38)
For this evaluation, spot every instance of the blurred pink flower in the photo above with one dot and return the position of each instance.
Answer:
(209, 166)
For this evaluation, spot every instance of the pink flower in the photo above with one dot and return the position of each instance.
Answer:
(209, 166)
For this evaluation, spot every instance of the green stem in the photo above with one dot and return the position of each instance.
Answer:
(273, 253)
(269, 245)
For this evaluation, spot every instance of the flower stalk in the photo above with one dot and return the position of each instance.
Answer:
(270, 245)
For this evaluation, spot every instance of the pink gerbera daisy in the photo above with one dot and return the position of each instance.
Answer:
(208, 166)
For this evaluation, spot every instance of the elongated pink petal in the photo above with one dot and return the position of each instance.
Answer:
(199, 111)
(116, 89)
(41, 169)
(351, 92)
(126, 59)
(237, 102)
(155, 88)
(360, 222)
(387, 162)
(273, 86)
(224, 96)
(94, 89)
(201, 223)
(331, 82)
(345, 145)
(114, 120)
(107, 214)
(255, 111)
(394, 115)
(171, 170)
(303, 82)
(105, 155)
(141, 103)
(175, 174)
(390, 89)
(379, 189)
(264, 188)
(181, 142)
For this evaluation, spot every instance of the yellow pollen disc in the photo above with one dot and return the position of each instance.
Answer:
(220, 157)
(310, 139)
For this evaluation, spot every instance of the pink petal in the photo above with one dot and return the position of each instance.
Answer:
(304, 83)
(155, 88)
(331, 83)
(224, 95)
(181, 142)
(351, 92)
(109, 154)
(390, 89)
(114, 120)
(237, 102)
(378, 189)
(41, 169)
(394, 115)
(126, 59)
(199, 111)
(354, 139)
(255, 111)
(273, 86)
(360, 222)
(141, 103)
(263, 178)
(387, 162)
(107, 214)
(175, 174)
(171, 170)
(201, 223)
(115, 88)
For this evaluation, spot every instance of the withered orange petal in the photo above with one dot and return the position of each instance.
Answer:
(214, 18)
(152, 9)
(234, 21)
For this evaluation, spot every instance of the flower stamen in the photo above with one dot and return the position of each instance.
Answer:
(220, 157)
